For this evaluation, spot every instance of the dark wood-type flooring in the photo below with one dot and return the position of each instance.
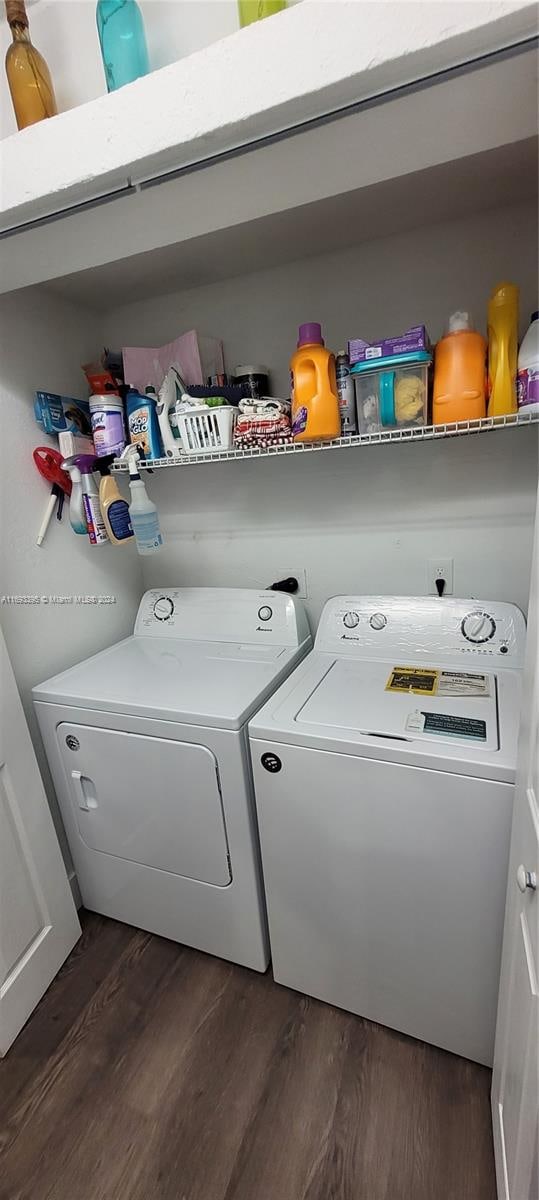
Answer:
(152, 1072)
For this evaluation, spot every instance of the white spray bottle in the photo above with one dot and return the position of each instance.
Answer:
(142, 512)
(77, 518)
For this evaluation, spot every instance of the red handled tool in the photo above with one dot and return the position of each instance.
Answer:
(49, 464)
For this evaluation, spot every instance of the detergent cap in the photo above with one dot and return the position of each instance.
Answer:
(310, 334)
(504, 293)
(459, 321)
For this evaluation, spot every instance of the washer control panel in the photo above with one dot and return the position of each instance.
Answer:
(402, 626)
(163, 608)
(478, 627)
(223, 615)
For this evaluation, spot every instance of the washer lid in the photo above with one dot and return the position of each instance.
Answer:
(356, 696)
(200, 683)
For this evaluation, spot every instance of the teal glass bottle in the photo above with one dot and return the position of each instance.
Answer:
(123, 42)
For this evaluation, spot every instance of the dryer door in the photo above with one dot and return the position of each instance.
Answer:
(150, 800)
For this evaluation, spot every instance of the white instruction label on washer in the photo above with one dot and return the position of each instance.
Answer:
(462, 683)
(470, 729)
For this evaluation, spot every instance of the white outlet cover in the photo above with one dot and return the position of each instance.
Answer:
(439, 568)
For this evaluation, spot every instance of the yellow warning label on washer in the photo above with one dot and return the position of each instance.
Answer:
(431, 681)
(419, 680)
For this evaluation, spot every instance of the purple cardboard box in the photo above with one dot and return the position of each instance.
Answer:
(415, 338)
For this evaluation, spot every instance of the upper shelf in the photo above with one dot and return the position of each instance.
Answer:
(224, 107)
(299, 65)
(417, 433)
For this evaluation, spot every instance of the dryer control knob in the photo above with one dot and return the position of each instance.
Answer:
(265, 613)
(351, 619)
(378, 621)
(163, 608)
(478, 627)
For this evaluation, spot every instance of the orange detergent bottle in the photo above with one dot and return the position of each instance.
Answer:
(459, 373)
(315, 401)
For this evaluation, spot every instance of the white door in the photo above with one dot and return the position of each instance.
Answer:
(515, 1084)
(149, 800)
(38, 919)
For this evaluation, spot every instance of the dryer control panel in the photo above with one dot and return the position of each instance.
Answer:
(423, 626)
(222, 615)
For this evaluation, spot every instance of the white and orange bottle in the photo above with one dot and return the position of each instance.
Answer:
(459, 373)
(315, 401)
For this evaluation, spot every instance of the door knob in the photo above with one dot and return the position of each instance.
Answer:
(526, 879)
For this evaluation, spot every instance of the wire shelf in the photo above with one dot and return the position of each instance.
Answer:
(425, 433)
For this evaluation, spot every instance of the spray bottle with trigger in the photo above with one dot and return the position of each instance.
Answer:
(77, 518)
(142, 512)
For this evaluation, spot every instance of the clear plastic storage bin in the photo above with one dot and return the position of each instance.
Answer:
(392, 394)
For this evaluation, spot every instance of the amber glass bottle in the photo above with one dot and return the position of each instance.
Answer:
(28, 75)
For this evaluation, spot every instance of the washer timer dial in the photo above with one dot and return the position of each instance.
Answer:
(351, 619)
(163, 608)
(478, 627)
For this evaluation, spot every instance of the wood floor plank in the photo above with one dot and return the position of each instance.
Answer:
(153, 1072)
(393, 1134)
(60, 1099)
(297, 1104)
(93, 957)
(214, 1093)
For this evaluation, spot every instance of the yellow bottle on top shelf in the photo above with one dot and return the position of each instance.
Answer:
(256, 10)
(502, 350)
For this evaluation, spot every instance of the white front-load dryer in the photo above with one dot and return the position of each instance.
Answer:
(148, 750)
(384, 770)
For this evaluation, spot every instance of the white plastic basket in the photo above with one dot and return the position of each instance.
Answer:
(206, 430)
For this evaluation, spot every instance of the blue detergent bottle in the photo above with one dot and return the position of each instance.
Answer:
(142, 422)
(123, 42)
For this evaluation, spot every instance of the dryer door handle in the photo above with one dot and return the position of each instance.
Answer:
(84, 790)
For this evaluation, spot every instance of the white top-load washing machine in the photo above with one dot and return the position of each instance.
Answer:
(148, 750)
(384, 770)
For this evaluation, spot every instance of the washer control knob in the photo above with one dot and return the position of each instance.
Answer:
(351, 619)
(265, 613)
(163, 608)
(378, 621)
(478, 627)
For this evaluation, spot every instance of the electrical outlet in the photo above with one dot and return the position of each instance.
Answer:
(298, 573)
(440, 568)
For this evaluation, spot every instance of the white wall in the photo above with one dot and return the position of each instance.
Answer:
(43, 342)
(357, 521)
(381, 286)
